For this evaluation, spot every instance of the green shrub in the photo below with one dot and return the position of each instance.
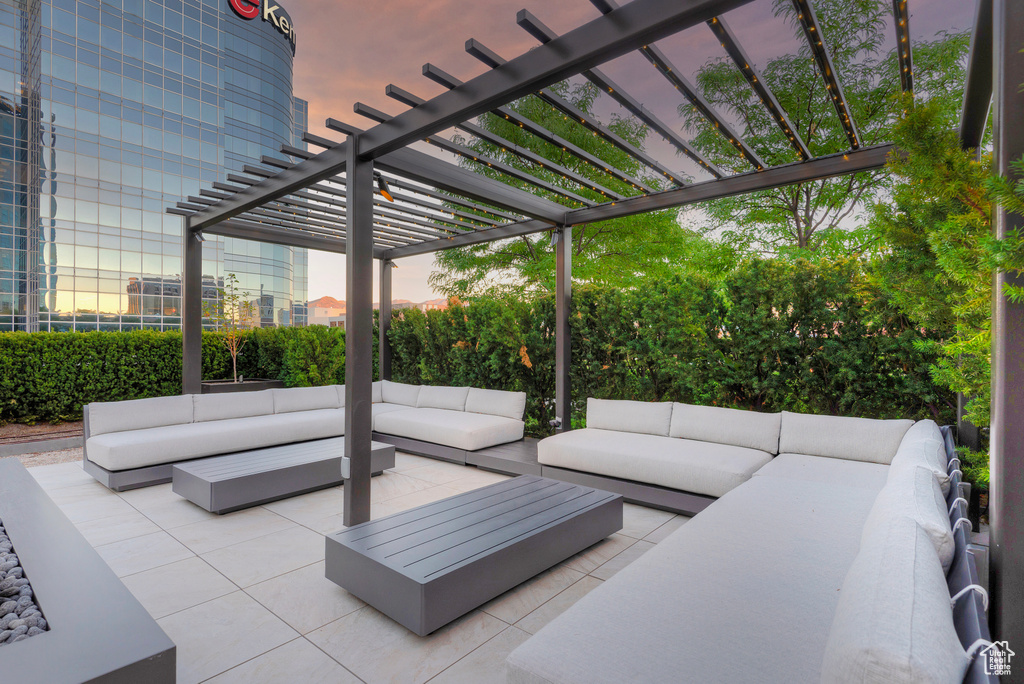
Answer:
(315, 356)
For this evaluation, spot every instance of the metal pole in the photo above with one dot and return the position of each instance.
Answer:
(562, 238)
(383, 345)
(358, 333)
(192, 313)
(1006, 514)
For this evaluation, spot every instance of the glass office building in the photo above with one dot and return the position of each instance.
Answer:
(109, 113)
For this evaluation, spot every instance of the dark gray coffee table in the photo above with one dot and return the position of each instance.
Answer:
(427, 566)
(221, 484)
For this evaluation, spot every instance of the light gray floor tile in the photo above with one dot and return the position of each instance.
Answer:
(597, 555)
(115, 528)
(147, 497)
(377, 649)
(85, 491)
(438, 472)
(256, 560)
(639, 521)
(404, 461)
(175, 512)
(177, 586)
(230, 528)
(297, 662)
(392, 485)
(304, 598)
(616, 563)
(59, 475)
(558, 605)
(138, 554)
(667, 529)
(217, 635)
(485, 665)
(100, 505)
(516, 603)
(309, 508)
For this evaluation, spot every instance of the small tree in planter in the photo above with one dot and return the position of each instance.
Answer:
(233, 314)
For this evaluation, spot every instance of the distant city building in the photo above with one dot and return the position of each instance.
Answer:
(109, 113)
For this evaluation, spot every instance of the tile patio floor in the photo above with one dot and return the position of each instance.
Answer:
(244, 596)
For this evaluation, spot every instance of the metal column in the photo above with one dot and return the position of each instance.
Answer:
(358, 333)
(1006, 512)
(383, 346)
(192, 313)
(562, 238)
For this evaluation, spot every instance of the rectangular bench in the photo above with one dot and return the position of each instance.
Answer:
(429, 565)
(222, 484)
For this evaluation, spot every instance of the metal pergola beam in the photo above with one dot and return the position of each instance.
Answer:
(864, 159)
(605, 38)
(739, 57)
(1006, 514)
(978, 89)
(904, 54)
(812, 31)
(536, 28)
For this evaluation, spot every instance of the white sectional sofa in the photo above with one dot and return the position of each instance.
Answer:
(446, 422)
(135, 443)
(834, 561)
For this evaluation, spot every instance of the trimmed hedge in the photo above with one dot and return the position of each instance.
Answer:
(774, 335)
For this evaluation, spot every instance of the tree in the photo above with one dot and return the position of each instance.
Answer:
(815, 217)
(232, 314)
(939, 253)
(618, 253)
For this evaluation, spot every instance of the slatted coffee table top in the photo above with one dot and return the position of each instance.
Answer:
(256, 461)
(431, 540)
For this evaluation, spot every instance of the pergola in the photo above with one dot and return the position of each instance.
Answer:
(327, 201)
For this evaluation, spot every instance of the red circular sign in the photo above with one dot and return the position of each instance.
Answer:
(247, 9)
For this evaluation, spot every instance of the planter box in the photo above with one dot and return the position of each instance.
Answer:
(98, 631)
(253, 385)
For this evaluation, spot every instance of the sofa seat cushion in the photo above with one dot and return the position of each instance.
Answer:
(684, 464)
(174, 443)
(458, 429)
(822, 469)
(743, 592)
(380, 409)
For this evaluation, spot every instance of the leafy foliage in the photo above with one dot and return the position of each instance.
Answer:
(232, 314)
(816, 216)
(773, 335)
(315, 358)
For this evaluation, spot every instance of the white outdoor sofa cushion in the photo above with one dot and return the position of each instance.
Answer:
(750, 429)
(458, 429)
(172, 443)
(831, 470)
(689, 465)
(923, 446)
(139, 414)
(855, 439)
(744, 592)
(644, 417)
(893, 623)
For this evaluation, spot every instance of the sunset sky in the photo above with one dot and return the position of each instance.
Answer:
(349, 51)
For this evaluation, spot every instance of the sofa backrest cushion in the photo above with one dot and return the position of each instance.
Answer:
(645, 417)
(450, 398)
(139, 414)
(893, 622)
(377, 393)
(340, 389)
(399, 393)
(925, 453)
(914, 493)
(726, 426)
(855, 439)
(233, 405)
(305, 399)
(496, 403)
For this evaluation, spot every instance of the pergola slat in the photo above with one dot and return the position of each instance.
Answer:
(536, 28)
(978, 89)
(904, 54)
(753, 77)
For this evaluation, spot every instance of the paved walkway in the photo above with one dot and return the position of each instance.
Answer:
(244, 596)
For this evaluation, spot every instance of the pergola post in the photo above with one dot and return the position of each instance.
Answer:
(358, 333)
(1006, 514)
(383, 345)
(192, 313)
(563, 342)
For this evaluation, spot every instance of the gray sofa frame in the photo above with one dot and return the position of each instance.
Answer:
(98, 632)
